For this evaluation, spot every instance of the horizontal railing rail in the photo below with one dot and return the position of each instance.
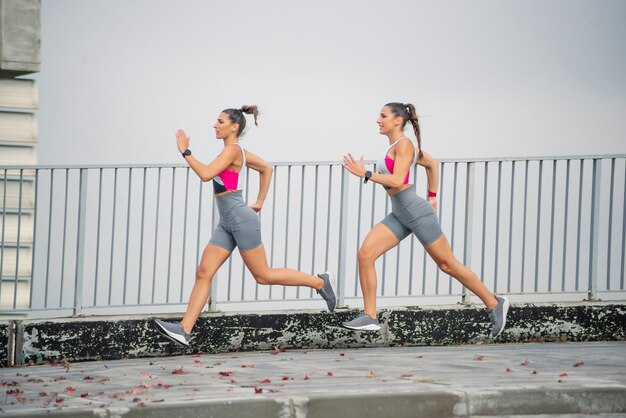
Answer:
(114, 239)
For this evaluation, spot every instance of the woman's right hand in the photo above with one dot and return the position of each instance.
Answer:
(182, 140)
(355, 167)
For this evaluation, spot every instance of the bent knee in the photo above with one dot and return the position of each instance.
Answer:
(367, 255)
(262, 278)
(203, 274)
(448, 266)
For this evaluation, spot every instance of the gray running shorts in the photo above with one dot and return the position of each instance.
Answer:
(411, 213)
(239, 225)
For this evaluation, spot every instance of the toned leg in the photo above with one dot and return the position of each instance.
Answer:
(256, 261)
(212, 259)
(441, 253)
(377, 242)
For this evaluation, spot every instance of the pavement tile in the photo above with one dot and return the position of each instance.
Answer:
(182, 381)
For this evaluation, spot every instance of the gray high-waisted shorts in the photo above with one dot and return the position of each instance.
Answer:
(411, 213)
(239, 225)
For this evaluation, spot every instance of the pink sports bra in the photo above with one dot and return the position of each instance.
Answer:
(385, 165)
(229, 179)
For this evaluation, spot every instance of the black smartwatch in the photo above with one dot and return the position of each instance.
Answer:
(367, 176)
(186, 152)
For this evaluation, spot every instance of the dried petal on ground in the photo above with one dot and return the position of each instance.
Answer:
(578, 364)
(525, 362)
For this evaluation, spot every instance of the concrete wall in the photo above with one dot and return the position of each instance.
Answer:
(20, 37)
(81, 339)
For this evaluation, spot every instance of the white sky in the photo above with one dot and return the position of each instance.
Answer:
(489, 77)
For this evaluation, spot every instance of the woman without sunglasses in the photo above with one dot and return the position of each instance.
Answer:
(239, 224)
(410, 214)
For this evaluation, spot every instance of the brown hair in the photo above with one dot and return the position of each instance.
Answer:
(236, 116)
(407, 113)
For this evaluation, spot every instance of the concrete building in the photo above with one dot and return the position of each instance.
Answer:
(20, 38)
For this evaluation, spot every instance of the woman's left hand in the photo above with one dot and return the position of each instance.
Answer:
(257, 207)
(182, 140)
(355, 167)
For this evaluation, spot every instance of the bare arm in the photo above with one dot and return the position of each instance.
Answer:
(432, 174)
(403, 159)
(207, 172)
(265, 177)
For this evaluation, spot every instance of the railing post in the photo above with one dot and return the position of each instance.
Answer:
(592, 293)
(469, 221)
(343, 232)
(212, 302)
(80, 243)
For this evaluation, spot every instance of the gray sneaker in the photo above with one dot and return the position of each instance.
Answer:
(363, 322)
(328, 290)
(173, 330)
(497, 316)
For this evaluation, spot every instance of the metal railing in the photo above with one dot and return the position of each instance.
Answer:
(127, 239)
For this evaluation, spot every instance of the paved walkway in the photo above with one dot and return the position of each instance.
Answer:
(575, 379)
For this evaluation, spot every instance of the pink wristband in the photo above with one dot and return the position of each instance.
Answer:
(432, 194)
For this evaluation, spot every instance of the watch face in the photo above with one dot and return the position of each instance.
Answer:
(187, 152)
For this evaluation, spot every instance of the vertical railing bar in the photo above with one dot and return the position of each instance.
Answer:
(511, 203)
(49, 237)
(141, 234)
(273, 222)
(33, 252)
(184, 249)
(80, 241)
(287, 223)
(198, 249)
(230, 275)
(594, 229)
(17, 244)
(384, 271)
(621, 283)
(453, 232)
(578, 232)
(524, 224)
(442, 175)
(397, 270)
(551, 254)
(4, 210)
(67, 175)
(358, 238)
(412, 246)
(469, 223)
(565, 222)
(610, 231)
(113, 235)
(169, 251)
(330, 182)
(424, 258)
(484, 226)
(243, 265)
(300, 228)
(538, 229)
(127, 240)
(212, 302)
(343, 235)
(497, 246)
(156, 234)
(314, 226)
(97, 261)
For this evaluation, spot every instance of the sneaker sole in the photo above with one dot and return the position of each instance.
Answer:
(506, 311)
(171, 337)
(370, 327)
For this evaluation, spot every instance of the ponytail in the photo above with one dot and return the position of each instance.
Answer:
(236, 116)
(416, 127)
(407, 113)
(251, 110)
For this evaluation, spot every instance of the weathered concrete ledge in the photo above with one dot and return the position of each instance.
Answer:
(102, 338)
